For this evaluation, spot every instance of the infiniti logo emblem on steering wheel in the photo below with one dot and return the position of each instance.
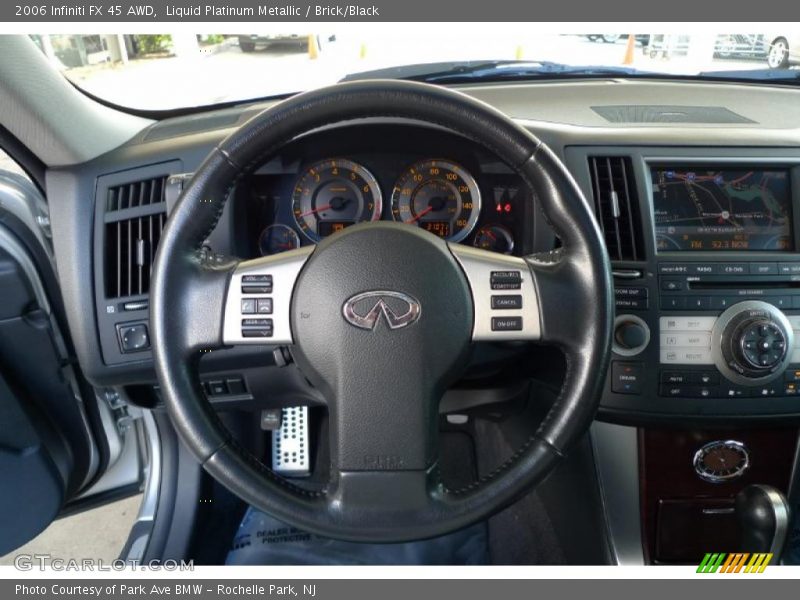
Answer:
(365, 310)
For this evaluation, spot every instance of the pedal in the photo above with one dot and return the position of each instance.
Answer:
(290, 443)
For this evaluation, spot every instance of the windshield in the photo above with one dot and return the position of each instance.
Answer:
(178, 70)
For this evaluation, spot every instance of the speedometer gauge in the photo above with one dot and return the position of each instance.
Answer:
(439, 196)
(332, 194)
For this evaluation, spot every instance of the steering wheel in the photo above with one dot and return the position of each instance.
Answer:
(380, 318)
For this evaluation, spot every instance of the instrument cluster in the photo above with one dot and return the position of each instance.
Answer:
(465, 198)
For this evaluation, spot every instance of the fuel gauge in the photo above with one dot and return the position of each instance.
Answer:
(495, 238)
(278, 238)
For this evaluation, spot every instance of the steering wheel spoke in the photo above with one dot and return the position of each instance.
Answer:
(503, 295)
(259, 298)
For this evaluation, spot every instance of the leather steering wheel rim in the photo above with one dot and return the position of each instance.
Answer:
(574, 294)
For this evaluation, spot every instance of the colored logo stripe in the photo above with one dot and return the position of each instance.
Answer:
(733, 563)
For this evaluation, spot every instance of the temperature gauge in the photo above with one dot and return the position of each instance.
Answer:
(278, 238)
(495, 238)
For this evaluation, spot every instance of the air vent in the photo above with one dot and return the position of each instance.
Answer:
(616, 206)
(134, 218)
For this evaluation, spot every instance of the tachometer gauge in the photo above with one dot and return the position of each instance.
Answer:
(332, 194)
(439, 196)
(495, 238)
(278, 238)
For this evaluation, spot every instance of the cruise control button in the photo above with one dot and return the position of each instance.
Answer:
(506, 280)
(506, 302)
(506, 323)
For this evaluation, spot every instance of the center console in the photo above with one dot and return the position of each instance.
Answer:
(707, 280)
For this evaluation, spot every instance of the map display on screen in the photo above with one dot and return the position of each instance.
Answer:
(701, 208)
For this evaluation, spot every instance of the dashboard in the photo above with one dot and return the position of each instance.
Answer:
(700, 222)
(330, 180)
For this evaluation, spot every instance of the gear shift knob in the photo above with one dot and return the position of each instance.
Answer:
(763, 514)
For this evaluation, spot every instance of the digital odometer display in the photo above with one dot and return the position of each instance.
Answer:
(722, 209)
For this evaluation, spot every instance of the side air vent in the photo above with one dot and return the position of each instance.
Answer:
(616, 206)
(134, 218)
(138, 193)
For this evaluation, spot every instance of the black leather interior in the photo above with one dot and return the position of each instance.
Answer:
(187, 300)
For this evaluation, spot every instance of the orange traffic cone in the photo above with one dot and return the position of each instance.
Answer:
(630, 50)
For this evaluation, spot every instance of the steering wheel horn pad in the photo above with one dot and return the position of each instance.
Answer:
(383, 384)
(380, 318)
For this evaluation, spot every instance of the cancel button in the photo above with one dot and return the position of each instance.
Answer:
(507, 302)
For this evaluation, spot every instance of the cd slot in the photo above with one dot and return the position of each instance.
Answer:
(739, 284)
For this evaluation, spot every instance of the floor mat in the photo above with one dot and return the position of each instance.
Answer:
(263, 540)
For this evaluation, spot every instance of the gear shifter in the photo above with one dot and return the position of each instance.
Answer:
(763, 514)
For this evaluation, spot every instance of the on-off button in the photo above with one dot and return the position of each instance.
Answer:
(506, 323)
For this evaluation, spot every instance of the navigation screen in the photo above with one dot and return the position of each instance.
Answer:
(715, 209)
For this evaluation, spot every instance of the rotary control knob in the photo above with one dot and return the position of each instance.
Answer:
(631, 335)
(751, 342)
(762, 344)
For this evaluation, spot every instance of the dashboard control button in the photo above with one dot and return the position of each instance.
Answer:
(672, 391)
(248, 306)
(698, 339)
(672, 285)
(676, 377)
(792, 375)
(780, 301)
(734, 268)
(263, 306)
(728, 391)
(707, 378)
(673, 269)
(686, 356)
(626, 377)
(630, 292)
(687, 323)
(720, 302)
(698, 303)
(133, 338)
(236, 386)
(506, 280)
(217, 388)
(673, 303)
(632, 303)
(704, 268)
(789, 268)
(763, 268)
(506, 323)
(507, 302)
